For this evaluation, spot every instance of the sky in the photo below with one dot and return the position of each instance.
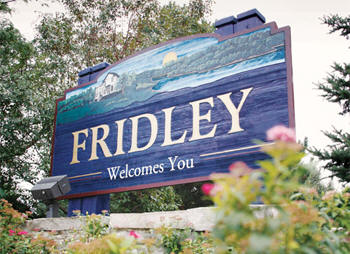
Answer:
(313, 51)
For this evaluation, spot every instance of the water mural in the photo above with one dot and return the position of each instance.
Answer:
(182, 64)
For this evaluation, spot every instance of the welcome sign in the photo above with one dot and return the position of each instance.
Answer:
(174, 113)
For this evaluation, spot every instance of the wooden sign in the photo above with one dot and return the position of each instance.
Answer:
(174, 113)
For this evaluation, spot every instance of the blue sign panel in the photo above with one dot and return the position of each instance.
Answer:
(174, 113)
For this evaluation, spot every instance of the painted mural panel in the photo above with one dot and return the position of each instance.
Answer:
(175, 113)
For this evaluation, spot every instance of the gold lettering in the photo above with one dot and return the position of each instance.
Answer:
(120, 125)
(134, 132)
(76, 146)
(234, 112)
(100, 142)
(197, 117)
(167, 129)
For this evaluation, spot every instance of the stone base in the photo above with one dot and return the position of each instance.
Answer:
(67, 230)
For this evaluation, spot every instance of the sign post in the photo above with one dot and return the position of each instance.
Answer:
(174, 113)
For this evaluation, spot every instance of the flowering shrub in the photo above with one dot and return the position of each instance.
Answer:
(96, 237)
(335, 208)
(302, 221)
(199, 243)
(93, 225)
(185, 241)
(134, 234)
(207, 188)
(296, 218)
(107, 244)
(281, 133)
(15, 240)
(95, 240)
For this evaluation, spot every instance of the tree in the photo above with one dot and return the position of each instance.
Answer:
(34, 74)
(24, 107)
(91, 32)
(150, 200)
(336, 88)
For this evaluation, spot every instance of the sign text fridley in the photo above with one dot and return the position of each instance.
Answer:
(167, 139)
(174, 113)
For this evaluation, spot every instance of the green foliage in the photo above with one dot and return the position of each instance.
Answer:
(34, 74)
(4, 8)
(198, 243)
(338, 23)
(96, 240)
(171, 239)
(336, 89)
(294, 220)
(108, 244)
(91, 32)
(21, 131)
(313, 179)
(185, 241)
(191, 195)
(26, 114)
(171, 21)
(150, 200)
(96, 237)
(337, 156)
(94, 226)
(15, 240)
(335, 208)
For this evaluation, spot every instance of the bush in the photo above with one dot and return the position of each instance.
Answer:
(295, 217)
(106, 244)
(13, 239)
(94, 226)
(185, 241)
(302, 222)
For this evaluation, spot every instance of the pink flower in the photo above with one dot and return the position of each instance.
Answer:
(11, 232)
(207, 188)
(329, 195)
(239, 169)
(217, 188)
(134, 234)
(238, 165)
(22, 233)
(281, 133)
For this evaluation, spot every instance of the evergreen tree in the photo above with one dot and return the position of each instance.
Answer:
(336, 88)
